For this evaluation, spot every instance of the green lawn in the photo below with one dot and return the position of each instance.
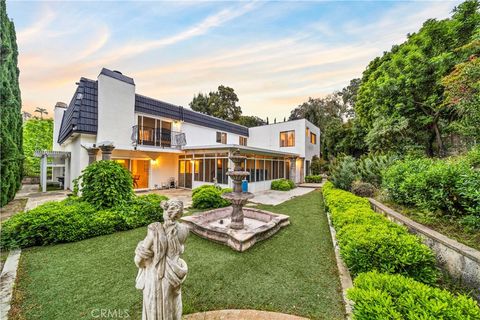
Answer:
(293, 272)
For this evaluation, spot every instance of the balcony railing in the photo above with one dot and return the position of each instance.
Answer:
(164, 138)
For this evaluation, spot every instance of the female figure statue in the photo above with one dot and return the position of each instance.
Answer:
(161, 271)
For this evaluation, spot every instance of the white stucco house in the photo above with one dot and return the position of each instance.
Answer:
(159, 142)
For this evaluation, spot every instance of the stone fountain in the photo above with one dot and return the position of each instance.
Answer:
(238, 227)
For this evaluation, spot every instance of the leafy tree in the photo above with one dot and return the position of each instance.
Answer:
(334, 115)
(11, 164)
(221, 104)
(37, 135)
(250, 121)
(400, 100)
(462, 94)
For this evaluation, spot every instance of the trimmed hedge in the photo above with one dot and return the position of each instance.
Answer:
(368, 241)
(209, 197)
(384, 296)
(282, 185)
(73, 219)
(314, 179)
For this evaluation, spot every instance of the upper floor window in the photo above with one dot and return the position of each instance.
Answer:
(242, 141)
(221, 137)
(313, 138)
(287, 138)
(307, 131)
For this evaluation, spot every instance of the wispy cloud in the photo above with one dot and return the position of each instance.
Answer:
(274, 54)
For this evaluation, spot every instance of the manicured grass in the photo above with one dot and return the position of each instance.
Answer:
(293, 272)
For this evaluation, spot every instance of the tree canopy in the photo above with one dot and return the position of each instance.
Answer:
(401, 99)
(37, 135)
(221, 104)
(334, 115)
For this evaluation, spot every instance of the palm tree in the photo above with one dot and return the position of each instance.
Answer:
(41, 111)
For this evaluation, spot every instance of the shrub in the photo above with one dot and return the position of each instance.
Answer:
(444, 186)
(368, 241)
(105, 184)
(343, 172)
(314, 179)
(209, 196)
(282, 185)
(318, 165)
(370, 168)
(73, 220)
(384, 296)
(471, 223)
(363, 189)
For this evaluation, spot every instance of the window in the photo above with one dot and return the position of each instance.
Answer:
(251, 170)
(281, 169)
(259, 164)
(221, 137)
(307, 131)
(222, 171)
(198, 170)
(287, 138)
(243, 141)
(268, 169)
(275, 169)
(209, 170)
(313, 138)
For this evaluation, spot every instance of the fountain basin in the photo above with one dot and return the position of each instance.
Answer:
(258, 225)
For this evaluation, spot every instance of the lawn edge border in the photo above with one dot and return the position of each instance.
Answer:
(7, 282)
(344, 275)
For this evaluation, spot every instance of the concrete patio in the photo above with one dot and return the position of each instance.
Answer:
(275, 197)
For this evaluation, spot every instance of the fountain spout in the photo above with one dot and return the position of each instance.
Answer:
(237, 197)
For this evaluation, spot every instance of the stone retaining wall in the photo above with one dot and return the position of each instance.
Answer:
(459, 260)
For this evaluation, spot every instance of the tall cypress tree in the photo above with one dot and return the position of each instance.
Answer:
(11, 150)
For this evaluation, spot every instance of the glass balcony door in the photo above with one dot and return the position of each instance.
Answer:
(154, 132)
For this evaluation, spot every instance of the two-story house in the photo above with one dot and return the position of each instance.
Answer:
(159, 142)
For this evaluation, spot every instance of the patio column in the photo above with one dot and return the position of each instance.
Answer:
(43, 172)
(92, 154)
(107, 148)
(293, 169)
(66, 177)
(302, 170)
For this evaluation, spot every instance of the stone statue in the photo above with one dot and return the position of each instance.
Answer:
(161, 271)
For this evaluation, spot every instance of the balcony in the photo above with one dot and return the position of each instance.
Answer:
(155, 137)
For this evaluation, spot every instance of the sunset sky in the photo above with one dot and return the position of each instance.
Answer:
(274, 54)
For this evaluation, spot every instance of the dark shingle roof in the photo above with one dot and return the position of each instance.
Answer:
(81, 114)
(163, 109)
(117, 75)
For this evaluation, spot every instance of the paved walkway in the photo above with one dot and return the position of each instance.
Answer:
(241, 315)
(35, 198)
(275, 197)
